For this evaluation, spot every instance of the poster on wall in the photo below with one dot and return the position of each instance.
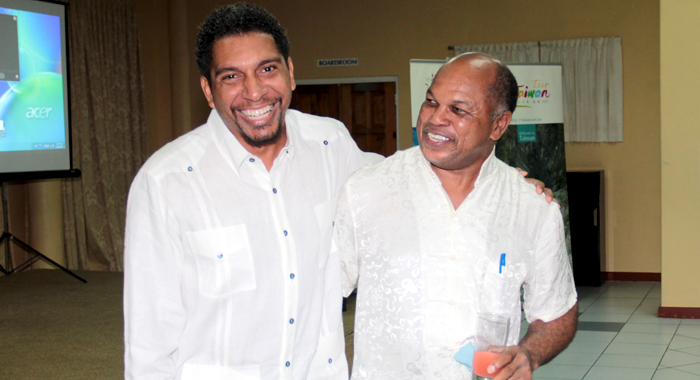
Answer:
(534, 141)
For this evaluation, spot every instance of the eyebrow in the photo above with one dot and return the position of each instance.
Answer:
(234, 68)
(464, 102)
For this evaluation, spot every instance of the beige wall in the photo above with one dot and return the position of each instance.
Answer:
(680, 152)
(385, 35)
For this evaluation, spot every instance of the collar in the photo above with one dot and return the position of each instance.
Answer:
(488, 168)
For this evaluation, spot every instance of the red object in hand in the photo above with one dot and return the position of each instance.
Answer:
(482, 360)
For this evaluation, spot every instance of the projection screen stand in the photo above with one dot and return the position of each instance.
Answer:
(7, 237)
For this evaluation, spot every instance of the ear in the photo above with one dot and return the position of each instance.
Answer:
(290, 66)
(500, 125)
(207, 90)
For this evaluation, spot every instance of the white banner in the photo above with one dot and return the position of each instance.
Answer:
(539, 90)
(540, 99)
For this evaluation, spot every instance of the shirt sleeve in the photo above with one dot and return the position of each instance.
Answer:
(154, 315)
(344, 243)
(550, 292)
(356, 158)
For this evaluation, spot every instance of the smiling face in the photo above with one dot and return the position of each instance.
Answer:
(456, 129)
(251, 88)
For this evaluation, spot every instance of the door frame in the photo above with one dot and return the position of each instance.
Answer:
(395, 79)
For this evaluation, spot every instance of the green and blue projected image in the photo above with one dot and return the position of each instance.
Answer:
(31, 82)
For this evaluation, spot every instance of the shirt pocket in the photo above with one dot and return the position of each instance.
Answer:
(224, 261)
(504, 275)
(325, 214)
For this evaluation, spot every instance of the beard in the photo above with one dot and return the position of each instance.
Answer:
(262, 140)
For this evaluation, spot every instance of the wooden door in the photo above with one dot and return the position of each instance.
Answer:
(368, 110)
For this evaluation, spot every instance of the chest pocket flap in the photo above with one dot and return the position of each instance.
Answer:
(224, 261)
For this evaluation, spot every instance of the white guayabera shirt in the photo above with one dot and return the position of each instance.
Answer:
(227, 270)
(426, 269)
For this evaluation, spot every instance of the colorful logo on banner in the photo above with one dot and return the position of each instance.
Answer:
(536, 93)
(539, 94)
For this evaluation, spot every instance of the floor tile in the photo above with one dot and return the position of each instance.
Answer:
(590, 291)
(607, 373)
(690, 350)
(576, 358)
(588, 347)
(643, 338)
(655, 302)
(594, 336)
(603, 317)
(674, 358)
(691, 368)
(673, 374)
(692, 331)
(647, 318)
(610, 308)
(680, 341)
(628, 361)
(690, 322)
(584, 304)
(639, 349)
(634, 301)
(562, 371)
(600, 326)
(649, 328)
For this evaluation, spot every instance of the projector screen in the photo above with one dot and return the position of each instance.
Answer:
(34, 108)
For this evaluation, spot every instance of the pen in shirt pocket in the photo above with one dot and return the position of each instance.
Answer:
(502, 263)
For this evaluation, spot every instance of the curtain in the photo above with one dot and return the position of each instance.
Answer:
(592, 84)
(108, 130)
(592, 81)
(515, 52)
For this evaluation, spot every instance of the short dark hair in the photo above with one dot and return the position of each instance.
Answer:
(236, 20)
(504, 90)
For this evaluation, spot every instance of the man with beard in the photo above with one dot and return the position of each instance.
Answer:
(226, 263)
(435, 234)
(227, 269)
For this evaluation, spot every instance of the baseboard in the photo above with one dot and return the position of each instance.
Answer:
(630, 276)
(679, 312)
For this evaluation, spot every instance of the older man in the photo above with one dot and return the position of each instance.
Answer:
(437, 233)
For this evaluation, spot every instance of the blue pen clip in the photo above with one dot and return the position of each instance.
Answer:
(503, 263)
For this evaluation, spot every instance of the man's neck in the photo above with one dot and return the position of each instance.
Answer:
(457, 183)
(267, 153)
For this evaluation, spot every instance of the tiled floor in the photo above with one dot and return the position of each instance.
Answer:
(619, 337)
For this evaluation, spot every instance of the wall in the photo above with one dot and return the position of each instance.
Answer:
(680, 152)
(385, 35)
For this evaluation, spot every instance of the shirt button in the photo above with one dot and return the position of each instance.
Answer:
(274, 190)
(189, 169)
(325, 142)
(291, 321)
(285, 232)
(330, 360)
(291, 275)
(287, 364)
(252, 160)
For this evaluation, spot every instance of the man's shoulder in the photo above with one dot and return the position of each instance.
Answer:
(179, 152)
(312, 127)
(402, 163)
(515, 191)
